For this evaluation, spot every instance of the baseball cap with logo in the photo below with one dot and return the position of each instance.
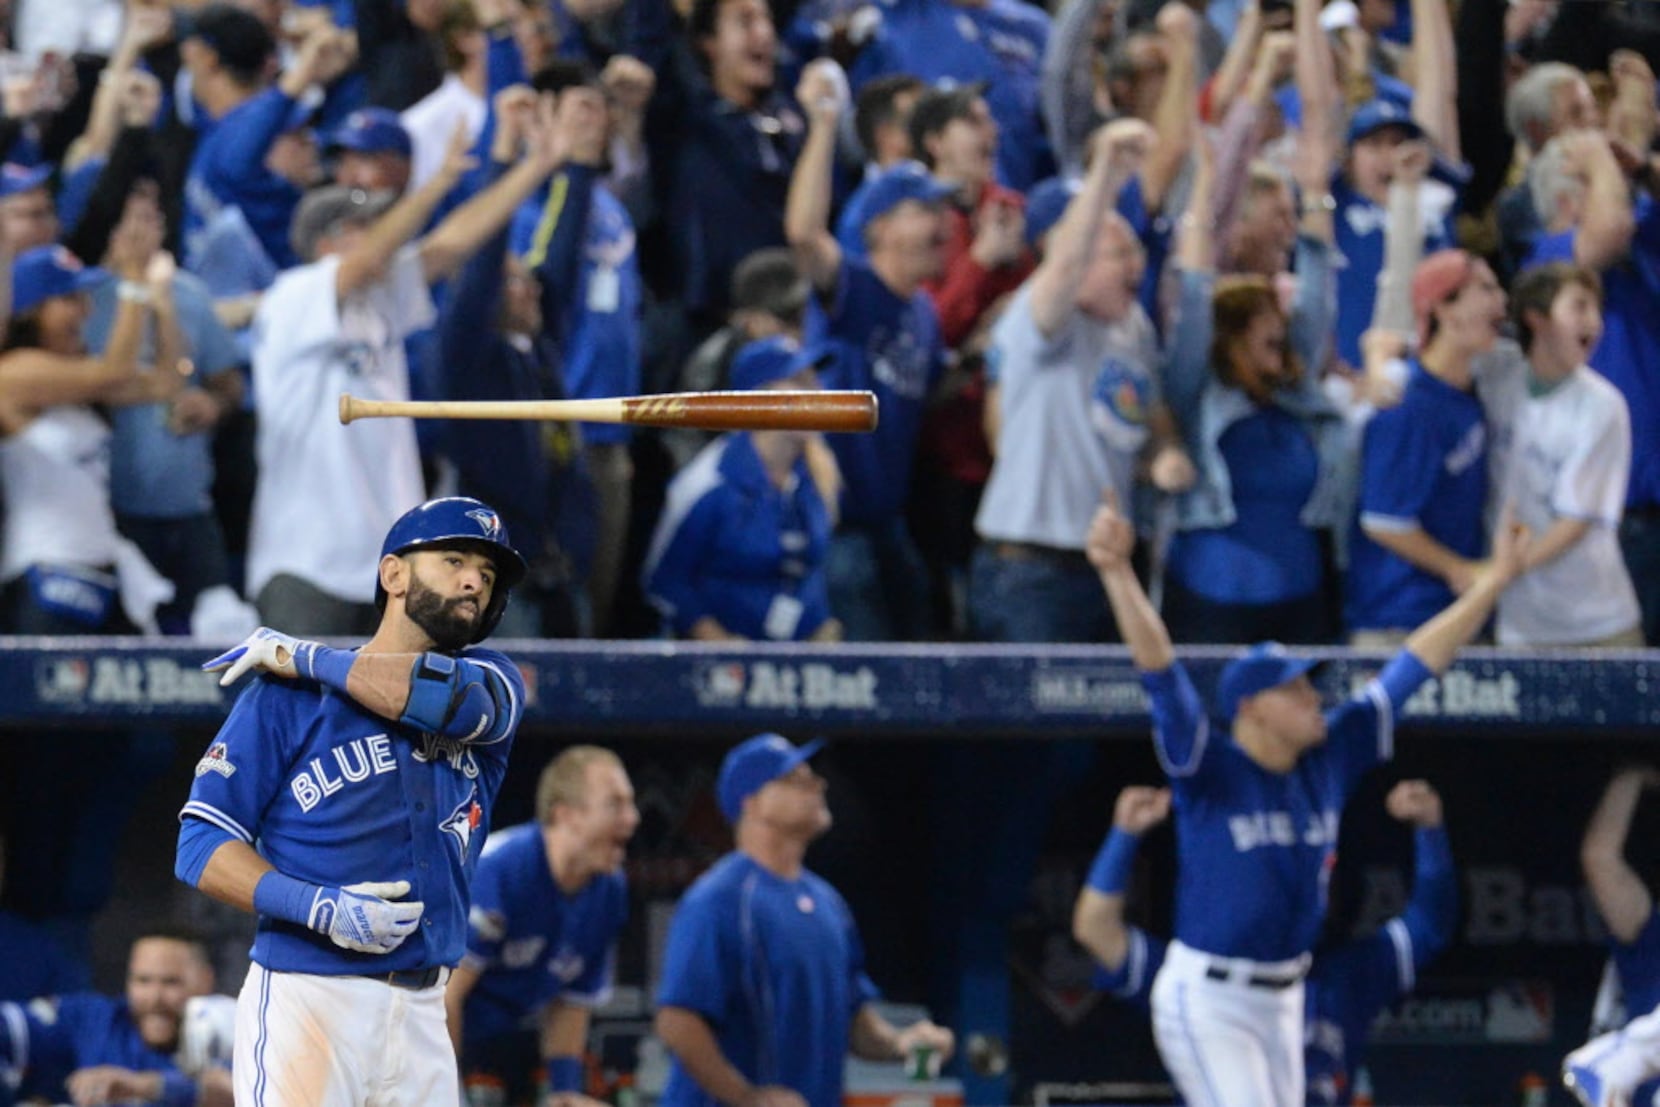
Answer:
(16, 179)
(47, 271)
(906, 181)
(372, 131)
(1265, 665)
(753, 764)
(1375, 115)
(773, 359)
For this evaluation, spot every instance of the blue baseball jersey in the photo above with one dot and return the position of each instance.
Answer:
(1359, 230)
(532, 943)
(1638, 966)
(42, 1042)
(890, 345)
(333, 794)
(777, 969)
(1423, 464)
(1347, 986)
(1000, 42)
(1256, 848)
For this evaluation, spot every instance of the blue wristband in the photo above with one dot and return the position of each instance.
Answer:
(282, 897)
(324, 664)
(1111, 870)
(564, 1074)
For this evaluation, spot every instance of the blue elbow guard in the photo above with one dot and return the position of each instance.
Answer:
(198, 838)
(450, 696)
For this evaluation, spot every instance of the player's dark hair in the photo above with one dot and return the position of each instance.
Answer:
(1537, 289)
(769, 281)
(177, 932)
(877, 106)
(565, 779)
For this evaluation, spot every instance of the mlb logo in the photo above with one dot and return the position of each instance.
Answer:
(721, 684)
(63, 679)
(216, 760)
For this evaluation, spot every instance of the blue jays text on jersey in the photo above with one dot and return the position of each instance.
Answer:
(332, 794)
(1256, 847)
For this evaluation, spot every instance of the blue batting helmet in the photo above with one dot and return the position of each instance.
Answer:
(458, 520)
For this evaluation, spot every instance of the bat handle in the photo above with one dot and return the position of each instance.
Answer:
(348, 411)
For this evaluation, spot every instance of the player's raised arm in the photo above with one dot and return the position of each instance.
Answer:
(1110, 542)
(1623, 900)
(1098, 916)
(1431, 916)
(1438, 641)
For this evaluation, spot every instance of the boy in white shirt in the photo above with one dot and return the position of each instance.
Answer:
(1561, 456)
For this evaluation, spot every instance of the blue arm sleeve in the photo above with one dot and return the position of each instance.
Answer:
(198, 838)
(473, 299)
(1110, 873)
(675, 567)
(1403, 676)
(239, 151)
(1431, 916)
(556, 248)
(1181, 729)
(1132, 981)
(177, 1090)
(460, 698)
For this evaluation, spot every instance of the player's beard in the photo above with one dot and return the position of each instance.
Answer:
(444, 621)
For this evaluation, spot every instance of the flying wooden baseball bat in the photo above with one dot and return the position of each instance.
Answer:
(715, 411)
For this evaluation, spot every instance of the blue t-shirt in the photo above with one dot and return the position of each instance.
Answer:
(1256, 848)
(1630, 337)
(1000, 42)
(1423, 464)
(154, 473)
(530, 941)
(332, 794)
(44, 1041)
(733, 545)
(776, 968)
(1266, 555)
(1359, 226)
(888, 345)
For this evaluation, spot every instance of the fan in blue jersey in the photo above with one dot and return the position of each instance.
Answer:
(167, 1040)
(1347, 986)
(549, 900)
(344, 801)
(1257, 807)
(1609, 1069)
(764, 988)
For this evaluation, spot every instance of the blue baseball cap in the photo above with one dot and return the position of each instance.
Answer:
(372, 131)
(772, 359)
(906, 181)
(753, 764)
(1265, 665)
(15, 178)
(47, 271)
(1045, 205)
(1374, 115)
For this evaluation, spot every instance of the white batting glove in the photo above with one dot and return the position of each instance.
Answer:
(362, 917)
(269, 651)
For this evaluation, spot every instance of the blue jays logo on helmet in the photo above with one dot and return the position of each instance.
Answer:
(453, 520)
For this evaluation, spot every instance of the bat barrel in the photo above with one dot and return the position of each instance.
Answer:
(835, 412)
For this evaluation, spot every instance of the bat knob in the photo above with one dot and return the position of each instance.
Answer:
(345, 407)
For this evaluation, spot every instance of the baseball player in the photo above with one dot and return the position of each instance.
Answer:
(549, 900)
(1347, 985)
(1257, 809)
(345, 801)
(166, 1040)
(1605, 1070)
(764, 988)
